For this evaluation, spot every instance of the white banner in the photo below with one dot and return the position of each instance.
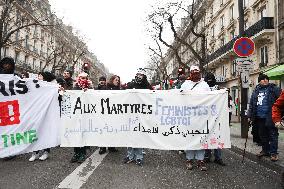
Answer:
(29, 115)
(167, 120)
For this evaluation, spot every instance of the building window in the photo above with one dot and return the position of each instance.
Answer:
(34, 63)
(263, 56)
(27, 42)
(26, 59)
(202, 22)
(262, 13)
(6, 50)
(223, 71)
(17, 36)
(213, 31)
(232, 34)
(246, 24)
(16, 57)
(231, 12)
(222, 41)
(245, 3)
(234, 68)
(222, 22)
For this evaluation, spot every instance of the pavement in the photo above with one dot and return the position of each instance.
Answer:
(238, 145)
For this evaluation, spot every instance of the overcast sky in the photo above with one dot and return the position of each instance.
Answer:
(114, 30)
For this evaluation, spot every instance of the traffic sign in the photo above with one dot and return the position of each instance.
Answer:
(244, 64)
(244, 47)
(245, 79)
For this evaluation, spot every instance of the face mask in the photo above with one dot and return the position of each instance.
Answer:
(195, 76)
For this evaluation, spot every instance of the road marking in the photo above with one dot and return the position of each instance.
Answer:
(81, 174)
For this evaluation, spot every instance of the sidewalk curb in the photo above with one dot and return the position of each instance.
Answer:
(275, 166)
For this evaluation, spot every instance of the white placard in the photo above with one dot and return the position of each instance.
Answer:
(164, 119)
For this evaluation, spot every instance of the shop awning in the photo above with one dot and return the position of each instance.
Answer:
(276, 73)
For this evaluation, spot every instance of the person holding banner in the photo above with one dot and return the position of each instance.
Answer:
(211, 81)
(49, 77)
(82, 83)
(195, 83)
(102, 83)
(140, 82)
(7, 66)
(113, 84)
(67, 76)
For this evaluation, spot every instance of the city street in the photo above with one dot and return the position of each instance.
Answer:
(162, 169)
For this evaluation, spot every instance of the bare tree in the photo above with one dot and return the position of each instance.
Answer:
(14, 17)
(76, 51)
(181, 36)
(157, 61)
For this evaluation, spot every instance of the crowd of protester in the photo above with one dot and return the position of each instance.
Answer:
(265, 110)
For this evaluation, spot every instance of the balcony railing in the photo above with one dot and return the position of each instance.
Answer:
(264, 23)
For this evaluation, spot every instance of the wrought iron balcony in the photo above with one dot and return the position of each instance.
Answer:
(264, 23)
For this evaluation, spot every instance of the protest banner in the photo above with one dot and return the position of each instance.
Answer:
(166, 120)
(29, 115)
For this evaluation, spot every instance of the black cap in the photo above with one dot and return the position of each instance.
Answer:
(210, 79)
(47, 76)
(262, 76)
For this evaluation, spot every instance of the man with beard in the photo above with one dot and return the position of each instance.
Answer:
(195, 83)
(67, 76)
(140, 82)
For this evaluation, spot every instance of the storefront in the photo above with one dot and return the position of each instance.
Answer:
(277, 73)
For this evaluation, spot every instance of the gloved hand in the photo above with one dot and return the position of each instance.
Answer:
(279, 125)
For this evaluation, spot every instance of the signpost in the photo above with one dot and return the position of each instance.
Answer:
(244, 47)
(244, 64)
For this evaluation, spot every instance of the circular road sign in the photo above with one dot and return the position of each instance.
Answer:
(244, 47)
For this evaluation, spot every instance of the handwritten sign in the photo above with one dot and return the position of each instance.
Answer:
(29, 118)
(167, 119)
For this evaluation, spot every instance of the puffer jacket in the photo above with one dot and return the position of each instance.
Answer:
(272, 95)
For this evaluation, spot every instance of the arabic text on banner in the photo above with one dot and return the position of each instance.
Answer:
(168, 120)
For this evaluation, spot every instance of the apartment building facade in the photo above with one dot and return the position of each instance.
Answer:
(50, 46)
(220, 24)
(280, 24)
